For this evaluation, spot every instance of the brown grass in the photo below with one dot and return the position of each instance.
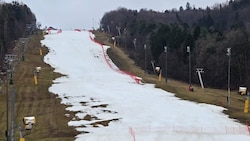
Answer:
(35, 100)
(207, 95)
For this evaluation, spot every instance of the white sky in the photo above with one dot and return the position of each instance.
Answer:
(95, 86)
(71, 14)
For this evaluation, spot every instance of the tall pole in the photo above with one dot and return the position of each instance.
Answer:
(7, 104)
(7, 109)
(5, 74)
(125, 31)
(119, 30)
(134, 42)
(166, 63)
(108, 29)
(10, 72)
(145, 61)
(228, 80)
(23, 51)
(13, 97)
(114, 39)
(189, 56)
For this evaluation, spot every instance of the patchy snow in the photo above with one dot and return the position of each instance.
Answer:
(99, 93)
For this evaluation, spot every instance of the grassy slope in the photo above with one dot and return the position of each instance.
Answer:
(35, 100)
(207, 95)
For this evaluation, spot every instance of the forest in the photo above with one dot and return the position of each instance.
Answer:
(180, 41)
(16, 21)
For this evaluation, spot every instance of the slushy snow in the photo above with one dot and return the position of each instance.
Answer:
(92, 88)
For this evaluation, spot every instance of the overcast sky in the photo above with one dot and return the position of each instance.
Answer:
(84, 14)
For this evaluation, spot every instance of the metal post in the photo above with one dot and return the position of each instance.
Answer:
(7, 109)
(9, 58)
(153, 65)
(228, 81)
(188, 50)
(119, 30)
(125, 31)
(1, 85)
(20, 131)
(108, 29)
(11, 77)
(7, 104)
(199, 71)
(166, 63)
(114, 39)
(22, 51)
(11, 72)
(145, 61)
(13, 97)
(134, 41)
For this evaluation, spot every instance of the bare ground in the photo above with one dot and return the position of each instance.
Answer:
(35, 100)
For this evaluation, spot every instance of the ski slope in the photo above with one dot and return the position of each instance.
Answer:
(95, 89)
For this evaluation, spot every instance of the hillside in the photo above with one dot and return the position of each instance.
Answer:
(16, 21)
(108, 104)
(35, 100)
(207, 95)
(208, 32)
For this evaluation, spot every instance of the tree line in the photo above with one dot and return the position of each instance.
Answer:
(15, 22)
(208, 32)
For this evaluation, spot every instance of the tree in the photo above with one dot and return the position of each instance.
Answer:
(238, 41)
(188, 6)
(208, 31)
(13, 20)
(181, 8)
